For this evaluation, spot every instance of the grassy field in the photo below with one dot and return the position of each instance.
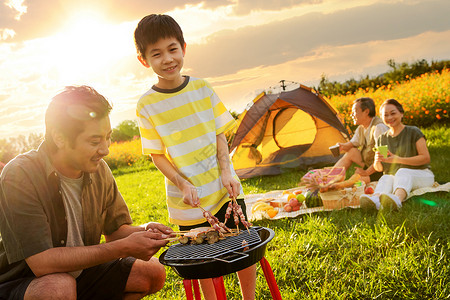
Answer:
(344, 254)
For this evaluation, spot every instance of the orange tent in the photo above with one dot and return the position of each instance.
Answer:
(292, 129)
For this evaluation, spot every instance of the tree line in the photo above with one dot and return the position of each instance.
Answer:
(399, 72)
(13, 146)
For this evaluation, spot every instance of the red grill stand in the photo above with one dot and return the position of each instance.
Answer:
(219, 286)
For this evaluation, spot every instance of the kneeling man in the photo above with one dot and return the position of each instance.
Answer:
(55, 204)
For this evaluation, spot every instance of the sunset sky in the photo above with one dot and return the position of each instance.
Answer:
(240, 46)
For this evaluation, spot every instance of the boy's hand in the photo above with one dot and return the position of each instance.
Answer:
(190, 195)
(232, 185)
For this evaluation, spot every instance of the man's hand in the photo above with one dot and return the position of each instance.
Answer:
(157, 228)
(231, 184)
(345, 147)
(144, 244)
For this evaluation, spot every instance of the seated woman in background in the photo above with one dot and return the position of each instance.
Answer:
(406, 166)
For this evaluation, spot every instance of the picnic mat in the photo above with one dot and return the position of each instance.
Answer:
(251, 199)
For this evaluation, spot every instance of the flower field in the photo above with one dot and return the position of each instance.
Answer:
(425, 99)
(125, 154)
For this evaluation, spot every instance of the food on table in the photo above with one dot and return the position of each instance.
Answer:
(280, 202)
(260, 206)
(369, 190)
(276, 203)
(264, 207)
(312, 198)
(272, 212)
(287, 208)
(346, 183)
(300, 198)
(291, 196)
(292, 205)
(293, 202)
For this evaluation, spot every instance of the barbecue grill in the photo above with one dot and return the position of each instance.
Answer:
(227, 256)
(218, 259)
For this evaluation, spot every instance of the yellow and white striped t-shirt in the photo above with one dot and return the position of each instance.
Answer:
(183, 124)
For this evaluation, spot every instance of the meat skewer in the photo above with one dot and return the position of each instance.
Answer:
(218, 226)
(237, 210)
(235, 215)
(200, 235)
(228, 212)
(214, 222)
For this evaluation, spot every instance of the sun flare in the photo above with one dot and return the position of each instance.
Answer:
(85, 47)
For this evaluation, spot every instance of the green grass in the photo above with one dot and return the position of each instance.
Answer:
(344, 254)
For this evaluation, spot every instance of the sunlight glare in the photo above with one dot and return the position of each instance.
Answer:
(85, 47)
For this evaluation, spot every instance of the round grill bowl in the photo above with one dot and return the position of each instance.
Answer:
(210, 268)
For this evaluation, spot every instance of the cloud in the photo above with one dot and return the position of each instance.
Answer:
(6, 33)
(18, 6)
(244, 7)
(338, 63)
(228, 51)
(46, 17)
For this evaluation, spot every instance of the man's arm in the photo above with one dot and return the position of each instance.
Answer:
(345, 147)
(354, 142)
(142, 245)
(231, 184)
(125, 230)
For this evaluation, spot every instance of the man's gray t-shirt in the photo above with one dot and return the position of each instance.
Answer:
(71, 193)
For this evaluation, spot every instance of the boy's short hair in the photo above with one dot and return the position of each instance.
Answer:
(68, 111)
(367, 103)
(154, 27)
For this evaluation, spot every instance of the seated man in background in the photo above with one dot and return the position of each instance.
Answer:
(359, 149)
(56, 202)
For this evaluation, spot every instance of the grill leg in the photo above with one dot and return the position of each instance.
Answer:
(219, 287)
(270, 278)
(188, 289)
(196, 289)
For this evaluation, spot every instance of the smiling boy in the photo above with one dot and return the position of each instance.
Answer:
(182, 123)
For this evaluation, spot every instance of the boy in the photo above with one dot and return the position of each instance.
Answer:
(182, 123)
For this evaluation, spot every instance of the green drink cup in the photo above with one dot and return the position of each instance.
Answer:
(382, 149)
